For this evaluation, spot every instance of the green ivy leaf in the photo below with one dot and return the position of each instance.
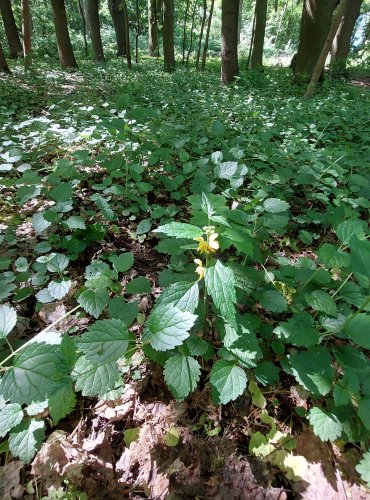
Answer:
(26, 439)
(363, 468)
(274, 205)
(96, 380)
(123, 262)
(181, 374)
(325, 424)
(182, 294)
(10, 416)
(168, 327)
(228, 381)
(179, 230)
(220, 283)
(8, 319)
(94, 301)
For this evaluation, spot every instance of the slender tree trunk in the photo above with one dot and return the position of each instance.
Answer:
(342, 40)
(83, 18)
(128, 45)
(229, 40)
(252, 39)
(92, 11)
(259, 34)
(315, 25)
(184, 30)
(11, 31)
(168, 36)
(137, 31)
(201, 33)
(3, 64)
(191, 33)
(118, 18)
(281, 22)
(27, 33)
(66, 55)
(240, 19)
(153, 28)
(205, 46)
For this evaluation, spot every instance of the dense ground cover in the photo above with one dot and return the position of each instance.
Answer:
(97, 165)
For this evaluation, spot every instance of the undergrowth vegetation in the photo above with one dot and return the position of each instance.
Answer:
(246, 205)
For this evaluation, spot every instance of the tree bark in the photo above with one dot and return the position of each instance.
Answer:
(27, 33)
(342, 39)
(201, 33)
(315, 26)
(3, 64)
(259, 34)
(153, 28)
(191, 32)
(11, 31)
(128, 45)
(326, 48)
(229, 40)
(83, 18)
(205, 46)
(184, 30)
(92, 14)
(65, 50)
(118, 18)
(168, 36)
(137, 31)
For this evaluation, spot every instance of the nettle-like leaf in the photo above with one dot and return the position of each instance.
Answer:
(325, 424)
(358, 329)
(26, 439)
(125, 311)
(139, 285)
(363, 468)
(274, 205)
(182, 294)
(94, 301)
(168, 326)
(179, 230)
(58, 263)
(364, 412)
(59, 288)
(321, 301)
(181, 374)
(106, 340)
(8, 319)
(226, 169)
(95, 380)
(75, 222)
(39, 223)
(273, 301)
(62, 399)
(228, 381)
(220, 283)
(360, 256)
(10, 416)
(123, 262)
(298, 331)
(349, 229)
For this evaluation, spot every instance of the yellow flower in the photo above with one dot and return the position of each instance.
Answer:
(209, 246)
(200, 269)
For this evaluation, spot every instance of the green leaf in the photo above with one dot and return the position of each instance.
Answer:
(26, 439)
(273, 301)
(96, 380)
(123, 262)
(325, 424)
(321, 301)
(144, 226)
(206, 206)
(10, 416)
(94, 301)
(360, 256)
(58, 263)
(75, 222)
(274, 205)
(364, 412)
(226, 169)
(62, 192)
(312, 368)
(181, 374)
(21, 264)
(139, 285)
(228, 381)
(168, 327)
(105, 340)
(220, 283)
(363, 468)
(267, 373)
(349, 229)
(352, 358)
(8, 319)
(125, 311)
(59, 288)
(298, 331)
(179, 230)
(358, 329)
(39, 223)
(182, 294)
(36, 408)
(44, 296)
(62, 400)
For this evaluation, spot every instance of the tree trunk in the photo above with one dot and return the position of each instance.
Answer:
(184, 30)
(66, 55)
(168, 37)
(153, 28)
(201, 33)
(3, 64)
(27, 32)
(191, 32)
(229, 40)
(11, 31)
(205, 46)
(118, 18)
(342, 40)
(83, 18)
(319, 66)
(315, 26)
(128, 46)
(92, 14)
(259, 34)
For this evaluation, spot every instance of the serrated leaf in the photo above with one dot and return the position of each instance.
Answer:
(95, 380)
(352, 358)
(144, 226)
(125, 311)
(26, 439)
(62, 192)
(220, 283)
(363, 468)
(179, 230)
(59, 288)
(105, 340)
(325, 424)
(139, 285)
(364, 412)
(168, 327)
(358, 329)
(298, 331)
(21, 264)
(75, 222)
(94, 301)
(44, 296)
(274, 205)
(228, 381)
(123, 262)
(206, 206)
(273, 301)
(58, 263)
(312, 368)
(39, 223)
(196, 346)
(182, 294)
(349, 229)
(360, 256)
(10, 416)
(181, 374)
(8, 319)
(62, 400)
(321, 301)
(267, 373)
(36, 407)
(226, 169)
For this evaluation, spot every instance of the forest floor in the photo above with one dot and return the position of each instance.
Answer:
(142, 444)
